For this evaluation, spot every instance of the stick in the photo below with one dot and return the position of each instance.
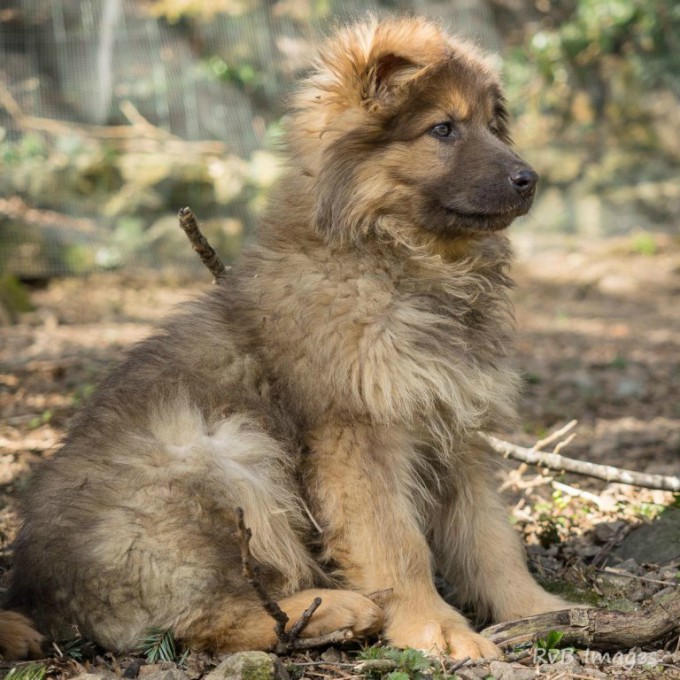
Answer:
(287, 641)
(300, 624)
(243, 535)
(595, 628)
(608, 473)
(187, 220)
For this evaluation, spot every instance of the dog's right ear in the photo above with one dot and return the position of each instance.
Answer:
(387, 73)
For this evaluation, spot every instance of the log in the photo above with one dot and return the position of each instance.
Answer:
(595, 628)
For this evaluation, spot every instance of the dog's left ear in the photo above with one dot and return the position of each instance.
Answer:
(387, 74)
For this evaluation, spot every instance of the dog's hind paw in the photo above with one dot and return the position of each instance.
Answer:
(18, 638)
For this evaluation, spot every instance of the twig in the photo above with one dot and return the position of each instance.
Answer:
(579, 493)
(332, 638)
(626, 574)
(299, 625)
(554, 436)
(376, 665)
(187, 220)
(287, 641)
(608, 473)
(243, 535)
(457, 665)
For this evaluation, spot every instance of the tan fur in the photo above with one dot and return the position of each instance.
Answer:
(342, 371)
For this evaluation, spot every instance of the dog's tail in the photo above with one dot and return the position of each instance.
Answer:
(18, 638)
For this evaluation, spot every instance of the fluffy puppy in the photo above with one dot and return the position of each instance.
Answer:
(342, 370)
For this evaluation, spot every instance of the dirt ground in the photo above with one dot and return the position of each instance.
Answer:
(598, 341)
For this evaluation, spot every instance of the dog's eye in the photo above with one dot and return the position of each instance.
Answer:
(444, 131)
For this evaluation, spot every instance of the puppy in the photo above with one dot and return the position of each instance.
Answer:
(342, 371)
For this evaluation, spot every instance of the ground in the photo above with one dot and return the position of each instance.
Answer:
(598, 341)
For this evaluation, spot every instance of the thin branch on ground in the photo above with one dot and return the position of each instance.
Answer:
(287, 640)
(300, 624)
(243, 535)
(595, 628)
(189, 223)
(609, 473)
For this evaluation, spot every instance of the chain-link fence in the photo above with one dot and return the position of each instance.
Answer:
(115, 113)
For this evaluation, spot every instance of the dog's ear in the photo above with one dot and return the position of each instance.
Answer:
(501, 118)
(387, 74)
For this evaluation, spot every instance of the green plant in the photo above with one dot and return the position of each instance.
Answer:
(645, 244)
(550, 647)
(31, 671)
(43, 419)
(159, 645)
(406, 664)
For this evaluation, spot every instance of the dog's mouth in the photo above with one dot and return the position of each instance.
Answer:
(486, 220)
(482, 221)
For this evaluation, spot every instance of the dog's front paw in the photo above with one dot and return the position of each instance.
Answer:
(450, 635)
(339, 609)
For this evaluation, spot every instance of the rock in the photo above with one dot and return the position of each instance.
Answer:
(657, 542)
(245, 666)
(96, 674)
(332, 655)
(593, 674)
(470, 674)
(146, 670)
(511, 671)
(167, 674)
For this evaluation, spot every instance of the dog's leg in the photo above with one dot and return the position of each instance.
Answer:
(250, 627)
(362, 485)
(479, 552)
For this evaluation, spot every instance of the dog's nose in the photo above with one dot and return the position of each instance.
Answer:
(524, 180)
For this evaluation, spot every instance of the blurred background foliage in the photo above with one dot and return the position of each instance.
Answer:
(116, 113)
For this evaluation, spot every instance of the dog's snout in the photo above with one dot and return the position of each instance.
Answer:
(524, 180)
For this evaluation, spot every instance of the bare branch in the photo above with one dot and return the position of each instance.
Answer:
(300, 624)
(250, 572)
(595, 628)
(188, 222)
(141, 135)
(554, 436)
(608, 473)
(289, 640)
(334, 637)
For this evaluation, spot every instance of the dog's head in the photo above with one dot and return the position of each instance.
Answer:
(399, 124)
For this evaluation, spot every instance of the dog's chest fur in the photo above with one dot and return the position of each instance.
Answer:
(410, 342)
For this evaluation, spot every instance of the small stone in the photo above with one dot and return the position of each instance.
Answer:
(97, 675)
(131, 668)
(593, 673)
(245, 666)
(470, 674)
(167, 674)
(564, 668)
(606, 531)
(332, 655)
(152, 668)
(511, 671)
(639, 594)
